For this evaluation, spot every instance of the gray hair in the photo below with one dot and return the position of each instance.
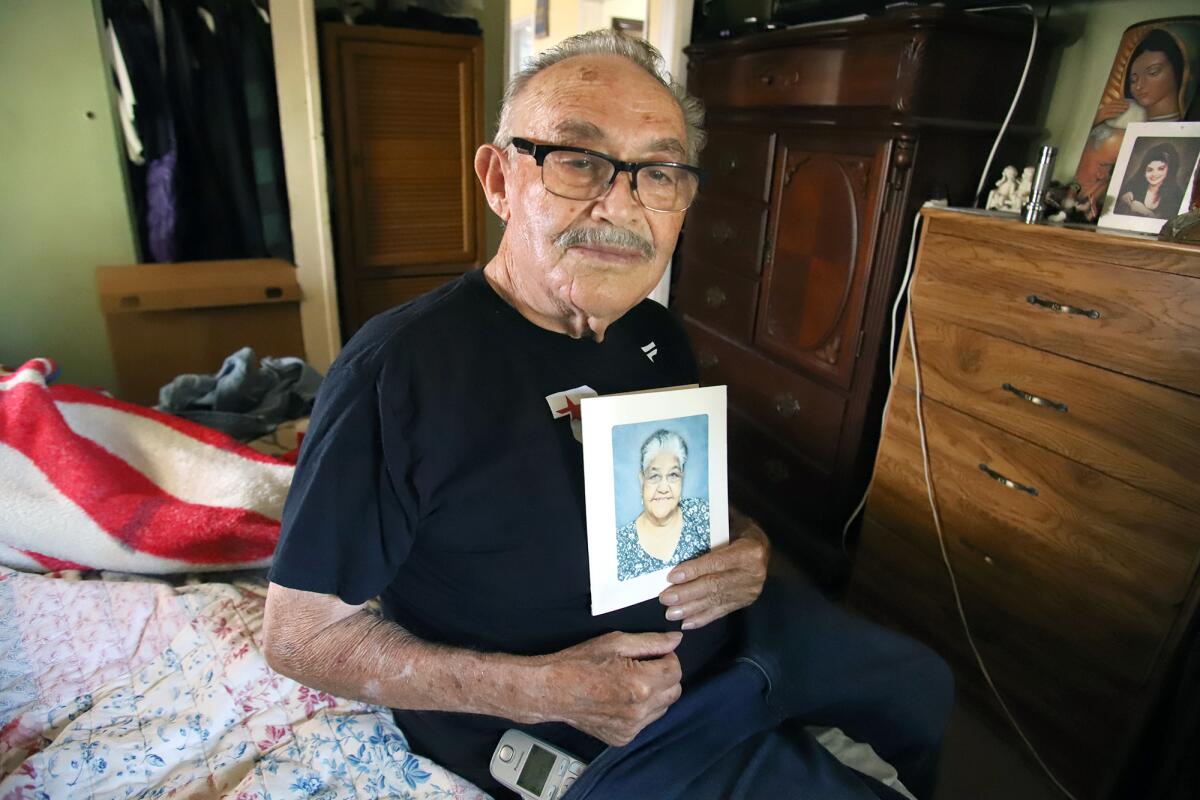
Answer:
(664, 441)
(606, 42)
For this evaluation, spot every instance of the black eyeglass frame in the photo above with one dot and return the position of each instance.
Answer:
(540, 151)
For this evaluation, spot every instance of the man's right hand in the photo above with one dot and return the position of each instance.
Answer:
(615, 685)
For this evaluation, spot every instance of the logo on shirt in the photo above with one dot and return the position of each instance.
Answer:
(570, 404)
(651, 350)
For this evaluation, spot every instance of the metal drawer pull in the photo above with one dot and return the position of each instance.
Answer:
(996, 476)
(708, 360)
(1053, 306)
(715, 297)
(721, 232)
(1033, 398)
(786, 405)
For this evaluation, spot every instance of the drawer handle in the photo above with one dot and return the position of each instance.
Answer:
(708, 360)
(786, 405)
(1033, 398)
(996, 476)
(767, 79)
(721, 232)
(715, 297)
(1090, 313)
(731, 166)
(776, 471)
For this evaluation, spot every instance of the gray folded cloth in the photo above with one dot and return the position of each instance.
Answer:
(244, 399)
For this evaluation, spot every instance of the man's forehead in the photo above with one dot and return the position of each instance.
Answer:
(598, 100)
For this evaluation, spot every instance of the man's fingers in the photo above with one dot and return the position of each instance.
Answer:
(647, 645)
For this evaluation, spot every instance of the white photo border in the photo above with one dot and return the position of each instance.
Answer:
(1139, 130)
(600, 415)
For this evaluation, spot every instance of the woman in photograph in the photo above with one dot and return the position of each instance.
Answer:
(1153, 191)
(671, 528)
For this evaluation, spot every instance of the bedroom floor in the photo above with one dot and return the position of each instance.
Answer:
(981, 764)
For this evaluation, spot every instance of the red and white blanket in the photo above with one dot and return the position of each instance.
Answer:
(90, 481)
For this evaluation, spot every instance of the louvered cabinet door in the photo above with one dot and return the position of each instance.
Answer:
(405, 119)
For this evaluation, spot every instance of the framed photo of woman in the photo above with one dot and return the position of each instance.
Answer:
(1155, 77)
(1154, 176)
(656, 487)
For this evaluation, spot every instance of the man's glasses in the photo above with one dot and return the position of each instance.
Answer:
(579, 174)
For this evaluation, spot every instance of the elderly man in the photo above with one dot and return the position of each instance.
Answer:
(435, 476)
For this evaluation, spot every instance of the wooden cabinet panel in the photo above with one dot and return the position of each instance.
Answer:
(721, 300)
(816, 277)
(725, 233)
(770, 469)
(1143, 434)
(1137, 321)
(809, 414)
(738, 164)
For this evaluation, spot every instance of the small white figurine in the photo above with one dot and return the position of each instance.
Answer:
(1006, 187)
(1023, 190)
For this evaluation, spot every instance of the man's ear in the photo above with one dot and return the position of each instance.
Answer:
(489, 167)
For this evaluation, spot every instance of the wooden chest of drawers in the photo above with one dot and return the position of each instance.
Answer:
(1061, 400)
(823, 142)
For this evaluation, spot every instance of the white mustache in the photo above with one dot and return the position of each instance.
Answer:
(609, 235)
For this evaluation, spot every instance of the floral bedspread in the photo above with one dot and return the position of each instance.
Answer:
(134, 689)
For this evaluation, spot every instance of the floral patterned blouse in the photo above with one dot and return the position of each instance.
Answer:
(633, 561)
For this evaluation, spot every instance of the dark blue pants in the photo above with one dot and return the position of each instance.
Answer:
(740, 734)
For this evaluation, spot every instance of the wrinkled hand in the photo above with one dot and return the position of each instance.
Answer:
(615, 685)
(720, 582)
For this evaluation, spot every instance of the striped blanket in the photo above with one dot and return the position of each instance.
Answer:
(87, 481)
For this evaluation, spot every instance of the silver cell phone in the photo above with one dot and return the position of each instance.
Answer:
(533, 769)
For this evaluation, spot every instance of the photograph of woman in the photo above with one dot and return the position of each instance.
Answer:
(1153, 79)
(670, 527)
(1153, 189)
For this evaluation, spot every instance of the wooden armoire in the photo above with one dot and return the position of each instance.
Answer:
(824, 140)
(404, 110)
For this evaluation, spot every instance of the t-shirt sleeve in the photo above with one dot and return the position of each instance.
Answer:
(348, 525)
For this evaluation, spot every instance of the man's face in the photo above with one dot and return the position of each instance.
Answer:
(606, 104)
(1096, 166)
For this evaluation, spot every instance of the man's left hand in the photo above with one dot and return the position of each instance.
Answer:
(720, 582)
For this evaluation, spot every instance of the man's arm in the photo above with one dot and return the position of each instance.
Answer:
(610, 687)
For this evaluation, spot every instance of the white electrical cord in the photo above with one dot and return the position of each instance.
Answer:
(892, 345)
(1016, 98)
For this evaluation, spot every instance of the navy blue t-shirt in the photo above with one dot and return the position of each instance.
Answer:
(435, 476)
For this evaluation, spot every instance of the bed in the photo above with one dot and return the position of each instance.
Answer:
(131, 609)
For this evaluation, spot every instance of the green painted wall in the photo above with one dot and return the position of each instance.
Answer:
(63, 205)
(1086, 61)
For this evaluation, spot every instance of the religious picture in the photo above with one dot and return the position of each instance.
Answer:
(656, 488)
(1154, 175)
(1153, 79)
